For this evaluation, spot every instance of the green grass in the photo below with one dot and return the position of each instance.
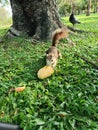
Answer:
(68, 100)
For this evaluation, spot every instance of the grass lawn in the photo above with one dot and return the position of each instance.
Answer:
(68, 100)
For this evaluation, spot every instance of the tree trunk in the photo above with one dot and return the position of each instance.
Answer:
(95, 6)
(36, 18)
(88, 8)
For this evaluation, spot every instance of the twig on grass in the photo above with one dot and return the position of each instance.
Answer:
(88, 61)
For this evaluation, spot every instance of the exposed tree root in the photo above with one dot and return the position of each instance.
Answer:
(75, 30)
(70, 42)
(78, 31)
(14, 33)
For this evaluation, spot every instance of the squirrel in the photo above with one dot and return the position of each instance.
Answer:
(52, 54)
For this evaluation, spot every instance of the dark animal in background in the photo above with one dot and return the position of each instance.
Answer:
(73, 20)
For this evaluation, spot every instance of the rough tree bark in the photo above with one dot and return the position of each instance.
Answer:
(36, 18)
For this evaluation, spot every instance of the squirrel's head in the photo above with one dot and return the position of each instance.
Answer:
(51, 60)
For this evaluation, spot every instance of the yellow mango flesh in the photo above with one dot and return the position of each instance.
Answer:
(45, 72)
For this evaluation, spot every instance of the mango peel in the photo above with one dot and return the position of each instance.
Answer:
(45, 72)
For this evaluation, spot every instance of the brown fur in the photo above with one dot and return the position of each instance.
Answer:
(52, 54)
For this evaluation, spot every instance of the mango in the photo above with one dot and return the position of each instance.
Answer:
(45, 72)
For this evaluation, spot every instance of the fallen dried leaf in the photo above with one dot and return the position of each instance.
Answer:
(20, 89)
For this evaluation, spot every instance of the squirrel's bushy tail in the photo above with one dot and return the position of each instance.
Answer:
(59, 34)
